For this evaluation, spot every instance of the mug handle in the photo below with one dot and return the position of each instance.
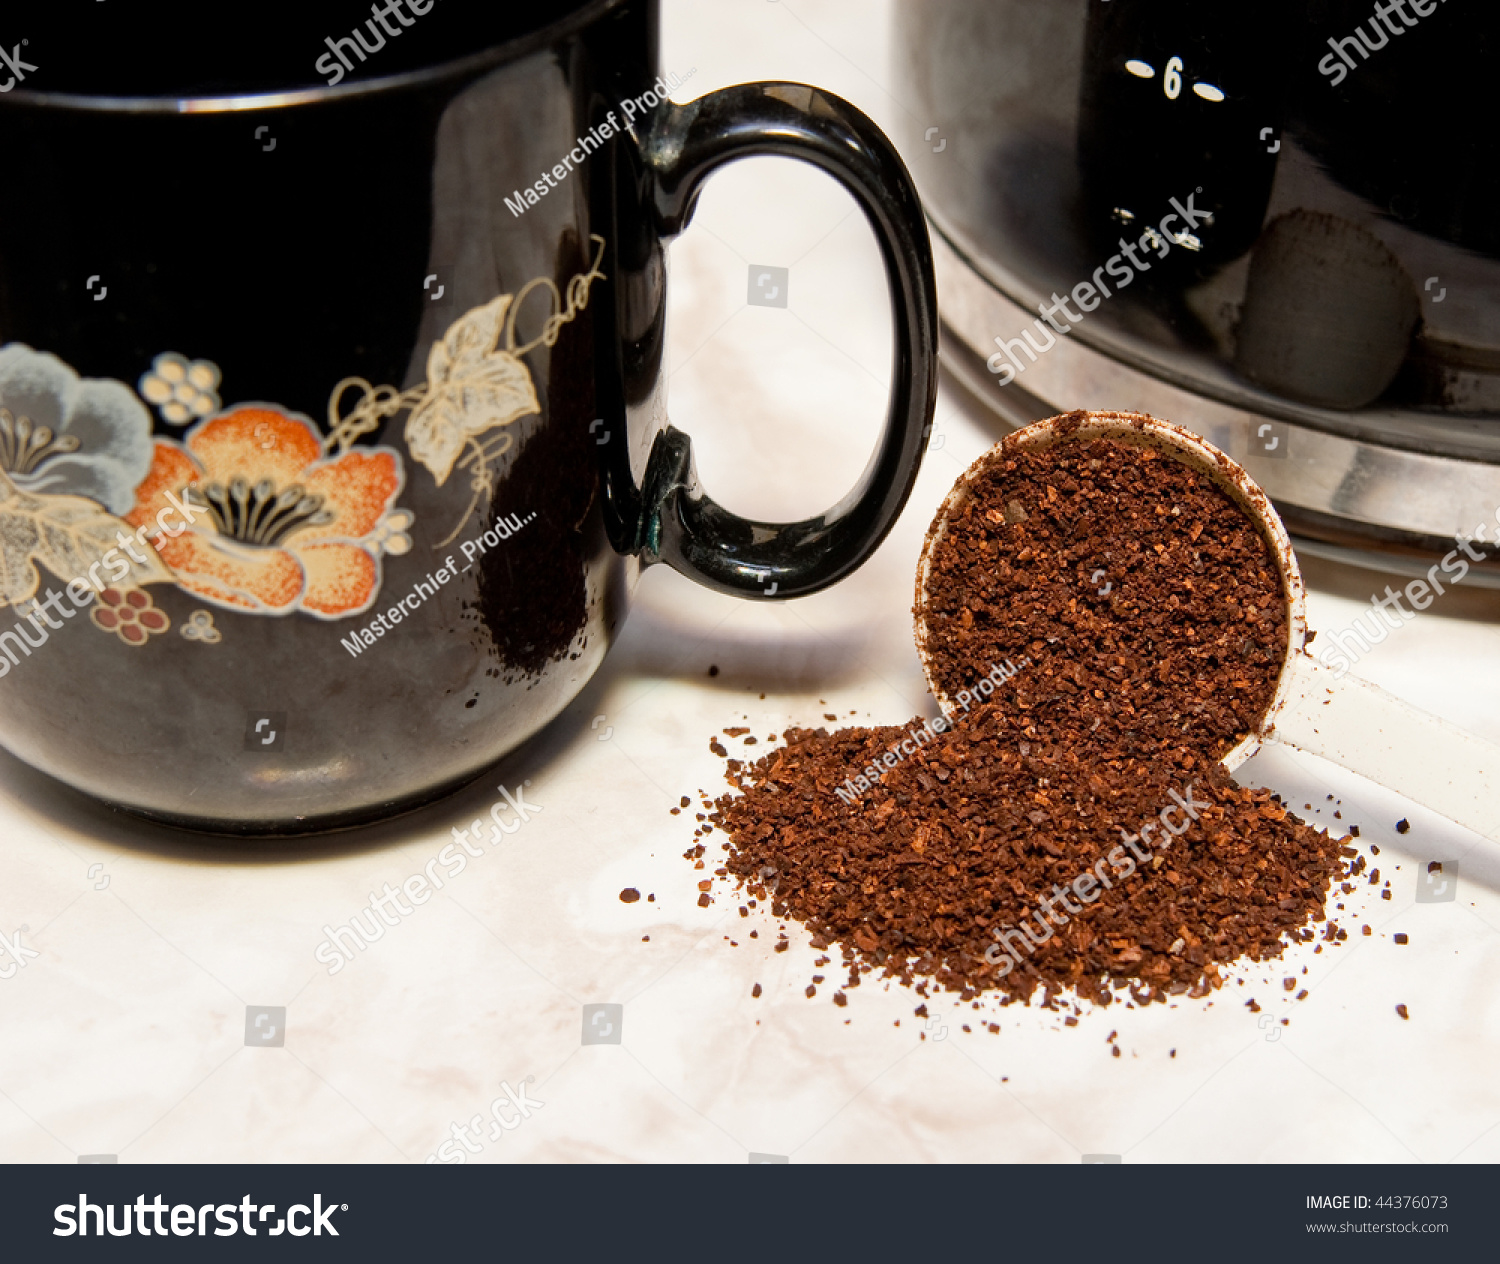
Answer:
(682, 146)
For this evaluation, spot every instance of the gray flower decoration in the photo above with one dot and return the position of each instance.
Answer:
(65, 435)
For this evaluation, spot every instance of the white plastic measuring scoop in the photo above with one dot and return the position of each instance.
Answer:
(1344, 719)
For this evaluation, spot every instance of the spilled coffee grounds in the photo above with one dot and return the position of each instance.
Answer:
(990, 861)
(1074, 830)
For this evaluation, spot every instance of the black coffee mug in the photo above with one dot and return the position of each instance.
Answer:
(331, 390)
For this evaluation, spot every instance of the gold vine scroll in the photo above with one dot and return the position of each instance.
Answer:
(474, 386)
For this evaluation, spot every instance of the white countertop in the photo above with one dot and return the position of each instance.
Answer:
(126, 1035)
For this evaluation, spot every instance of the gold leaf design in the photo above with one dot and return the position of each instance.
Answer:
(68, 535)
(476, 382)
(472, 387)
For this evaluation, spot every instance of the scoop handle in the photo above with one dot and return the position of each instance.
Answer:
(1360, 727)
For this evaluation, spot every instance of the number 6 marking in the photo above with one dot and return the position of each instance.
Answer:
(1172, 81)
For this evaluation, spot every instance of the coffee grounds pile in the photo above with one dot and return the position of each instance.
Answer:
(965, 839)
(1154, 619)
(1149, 602)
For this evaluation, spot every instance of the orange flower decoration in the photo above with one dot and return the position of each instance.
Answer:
(280, 526)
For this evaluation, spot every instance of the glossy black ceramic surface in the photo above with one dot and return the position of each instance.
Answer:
(286, 317)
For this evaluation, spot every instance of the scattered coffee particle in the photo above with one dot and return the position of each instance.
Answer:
(718, 748)
(645, 939)
(1365, 930)
(1401, 1009)
(713, 671)
(704, 900)
(1252, 1006)
(1069, 1021)
(841, 1000)
(782, 945)
(1403, 826)
(651, 899)
(755, 991)
(811, 991)
(1172, 1053)
(1114, 1051)
(1374, 850)
(737, 731)
(676, 811)
(750, 741)
(1354, 831)
(830, 717)
(686, 802)
(1302, 995)
(1400, 938)
(1289, 984)
(629, 895)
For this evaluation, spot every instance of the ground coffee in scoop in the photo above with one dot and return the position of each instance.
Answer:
(1150, 603)
(1073, 829)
